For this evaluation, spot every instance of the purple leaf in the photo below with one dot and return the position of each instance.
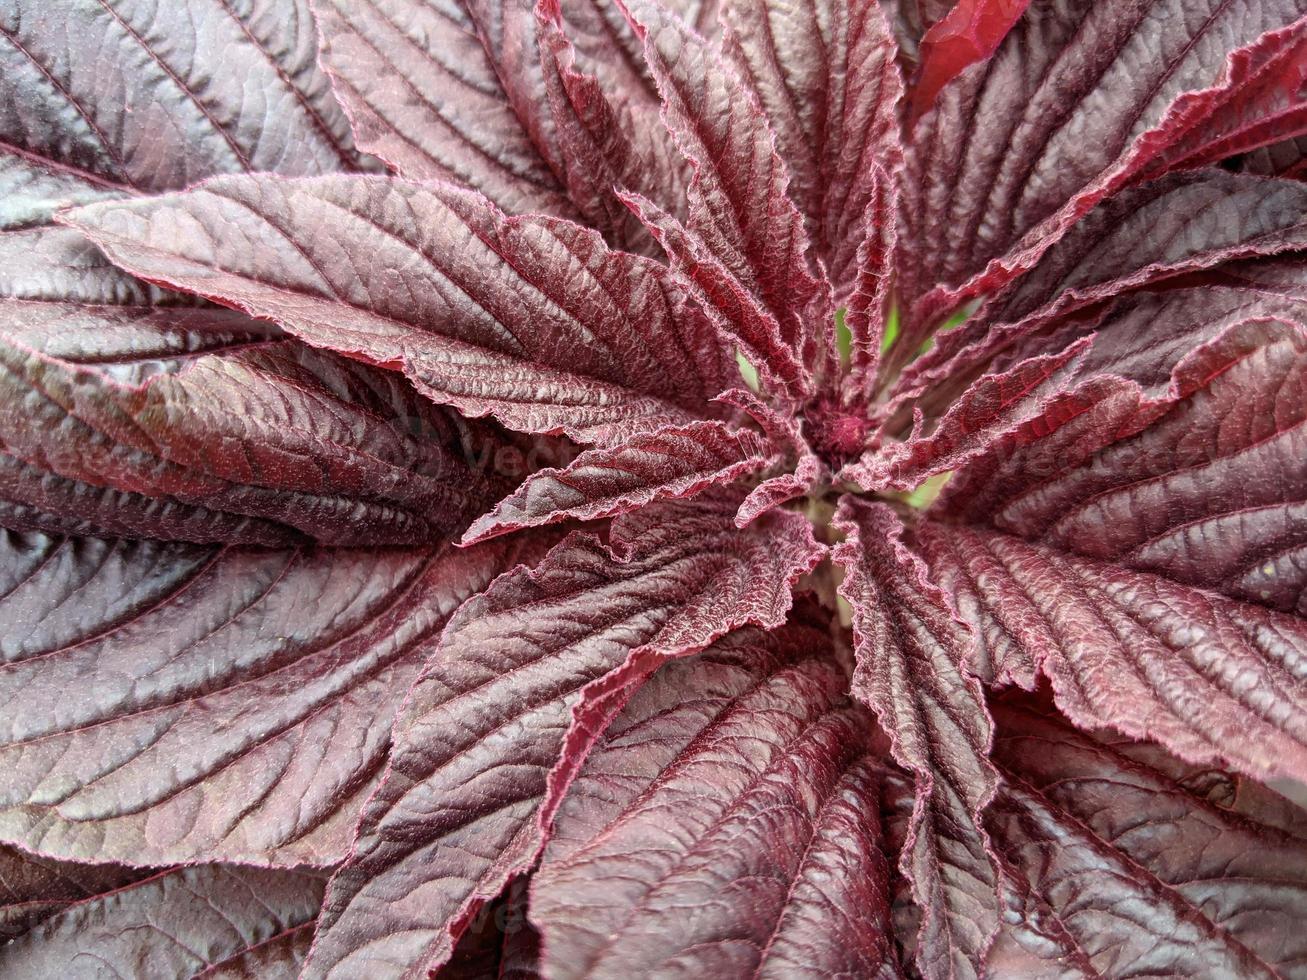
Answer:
(1122, 861)
(155, 96)
(740, 784)
(532, 320)
(1019, 147)
(673, 462)
(825, 75)
(420, 84)
(262, 446)
(739, 208)
(237, 702)
(215, 921)
(34, 888)
(1213, 679)
(1176, 225)
(912, 670)
(526, 676)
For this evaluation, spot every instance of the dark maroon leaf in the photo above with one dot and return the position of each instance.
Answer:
(1213, 679)
(1123, 861)
(215, 921)
(1202, 483)
(34, 888)
(423, 94)
(825, 75)
(673, 462)
(1264, 99)
(526, 677)
(991, 408)
(739, 210)
(1180, 224)
(233, 702)
(1020, 146)
(1284, 159)
(262, 446)
(154, 96)
(913, 661)
(530, 319)
(740, 784)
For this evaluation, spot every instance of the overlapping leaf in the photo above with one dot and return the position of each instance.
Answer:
(526, 677)
(1018, 148)
(825, 76)
(262, 446)
(1176, 225)
(154, 96)
(232, 702)
(533, 320)
(1122, 860)
(34, 888)
(912, 670)
(1117, 521)
(743, 785)
(744, 237)
(672, 462)
(215, 921)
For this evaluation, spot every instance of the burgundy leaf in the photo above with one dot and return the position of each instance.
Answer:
(154, 96)
(526, 676)
(1213, 679)
(740, 784)
(970, 32)
(672, 462)
(1181, 224)
(34, 888)
(215, 921)
(596, 153)
(739, 209)
(1204, 483)
(738, 314)
(422, 91)
(530, 319)
(263, 446)
(912, 670)
(871, 302)
(1123, 861)
(825, 75)
(235, 703)
(1020, 146)
(1264, 98)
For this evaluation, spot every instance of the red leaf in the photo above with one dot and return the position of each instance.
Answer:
(912, 670)
(970, 32)
(262, 446)
(669, 463)
(212, 920)
(740, 784)
(739, 210)
(237, 702)
(156, 96)
(824, 73)
(1017, 149)
(526, 677)
(1121, 860)
(530, 319)
(34, 888)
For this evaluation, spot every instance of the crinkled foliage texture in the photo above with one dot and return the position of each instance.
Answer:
(653, 488)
